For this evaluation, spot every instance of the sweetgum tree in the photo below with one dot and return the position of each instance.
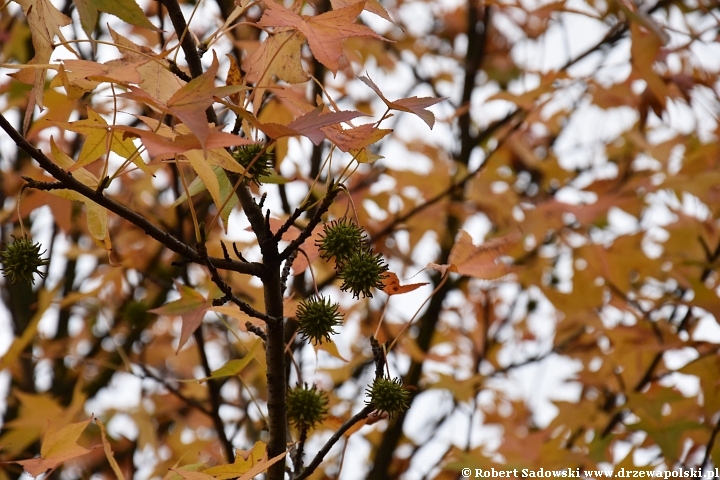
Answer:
(212, 212)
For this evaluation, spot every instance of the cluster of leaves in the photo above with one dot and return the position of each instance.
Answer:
(583, 328)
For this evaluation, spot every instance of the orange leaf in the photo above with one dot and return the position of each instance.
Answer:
(372, 6)
(355, 138)
(234, 77)
(391, 285)
(480, 260)
(324, 32)
(279, 55)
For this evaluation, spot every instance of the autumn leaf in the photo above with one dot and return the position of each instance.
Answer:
(310, 124)
(278, 55)
(156, 78)
(95, 214)
(190, 102)
(45, 21)
(192, 475)
(101, 139)
(373, 6)
(126, 10)
(391, 285)
(191, 307)
(644, 49)
(236, 365)
(234, 77)
(167, 144)
(113, 71)
(355, 138)
(324, 32)
(415, 105)
(480, 261)
(247, 464)
(108, 452)
(57, 447)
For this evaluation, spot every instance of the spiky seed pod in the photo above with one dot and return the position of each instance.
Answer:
(361, 271)
(306, 406)
(21, 259)
(340, 239)
(261, 167)
(388, 395)
(135, 313)
(317, 316)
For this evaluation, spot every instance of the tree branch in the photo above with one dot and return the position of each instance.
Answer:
(120, 210)
(317, 218)
(214, 395)
(362, 414)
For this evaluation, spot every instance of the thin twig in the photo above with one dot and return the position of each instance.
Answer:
(361, 415)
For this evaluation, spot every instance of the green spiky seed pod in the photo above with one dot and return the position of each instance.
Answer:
(340, 239)
(388, 395)
(135, 312)
(317, 317)
(306, 406)
(21, 259)
(361, 271)
(262, 167)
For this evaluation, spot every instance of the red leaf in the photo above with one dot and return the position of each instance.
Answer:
(416, 105)
(391, 285)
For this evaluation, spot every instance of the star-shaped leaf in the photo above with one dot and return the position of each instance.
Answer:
(57, 447)
(416, 105)
(324, 32)
(191, 307)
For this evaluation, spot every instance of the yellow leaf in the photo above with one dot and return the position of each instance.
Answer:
(108, 452)
(235, 366)
(100, 140)
(57, 447)
(202, 167)
(62, 159)
(247, 463)
(96, 215)
(329, 347)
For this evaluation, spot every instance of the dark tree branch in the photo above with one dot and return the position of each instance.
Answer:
(710, 444)
(332, 192)
(362, 414)
(226, 289)
(215, 399)
(188, 401)
(473, 62)
(297, 461)
(256, 330)
(120, 210)
(192, 57)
